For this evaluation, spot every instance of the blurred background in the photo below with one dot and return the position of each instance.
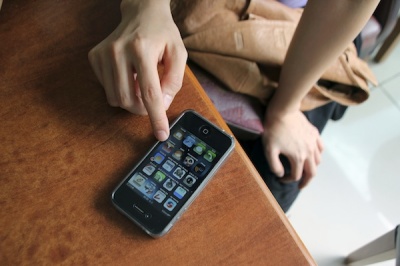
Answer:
(355, 196)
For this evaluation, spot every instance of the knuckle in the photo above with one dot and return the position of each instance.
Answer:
(92, 55)
(315, 132)
(150, 95)
(176, 83)
(300, 157)
(131, 107)
(313, 173)
(116, 48)
(124, 100)
(297, 178)
(139, 43)
(182, 54)
(126, 103)
(179, 52)
(112, 101)
(309, 152)
(269, 150)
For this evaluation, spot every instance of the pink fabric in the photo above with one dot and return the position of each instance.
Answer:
(238, 110)
(294, 3)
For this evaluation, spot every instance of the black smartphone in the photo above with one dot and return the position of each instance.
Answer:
(172, 174)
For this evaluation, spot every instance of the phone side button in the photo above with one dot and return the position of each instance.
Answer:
(168, 227)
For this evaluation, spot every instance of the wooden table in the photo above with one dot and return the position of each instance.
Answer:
(63, 150)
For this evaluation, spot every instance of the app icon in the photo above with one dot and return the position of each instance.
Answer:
(149, 188)
(189, 161)
(169, 184)
(168, 165)
(158, 158)
(137, 180)
(189, 141)
(149, 169)
(159, 196)
(209, 156)
(199, 168)
(199, 148)
(168, 146)
(189, 180)
(159, 176)
(177, 155)
(178, 135)
(179, 192)
(170, 204)
(179, 172)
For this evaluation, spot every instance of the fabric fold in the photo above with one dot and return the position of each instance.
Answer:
(244, 44)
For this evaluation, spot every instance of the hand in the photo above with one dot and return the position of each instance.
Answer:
(292, 135)
(126, 62)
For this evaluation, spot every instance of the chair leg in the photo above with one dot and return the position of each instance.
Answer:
(389, 43)
(398, 245)
(381, 249)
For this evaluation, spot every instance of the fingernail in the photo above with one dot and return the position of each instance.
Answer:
(161, 135)
(167, 101)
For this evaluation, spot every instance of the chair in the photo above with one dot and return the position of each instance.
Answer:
(383, 248)
(390, 42)
(379, 27)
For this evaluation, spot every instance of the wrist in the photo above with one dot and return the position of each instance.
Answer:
(279, 108)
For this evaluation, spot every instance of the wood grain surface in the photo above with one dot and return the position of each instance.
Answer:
(63, 150)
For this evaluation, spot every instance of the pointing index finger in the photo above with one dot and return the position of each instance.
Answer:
(152, 97)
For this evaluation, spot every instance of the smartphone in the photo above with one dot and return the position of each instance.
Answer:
(172, 174)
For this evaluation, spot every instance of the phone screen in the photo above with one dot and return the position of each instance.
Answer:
(170, 176)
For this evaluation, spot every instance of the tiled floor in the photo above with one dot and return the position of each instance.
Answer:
(355, 196)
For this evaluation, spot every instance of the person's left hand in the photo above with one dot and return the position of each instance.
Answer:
(292, 135)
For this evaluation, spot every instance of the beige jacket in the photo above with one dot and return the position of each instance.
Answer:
(244, 43)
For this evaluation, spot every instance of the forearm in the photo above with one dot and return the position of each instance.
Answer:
(324, 31)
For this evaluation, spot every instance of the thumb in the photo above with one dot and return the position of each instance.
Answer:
(275, 163)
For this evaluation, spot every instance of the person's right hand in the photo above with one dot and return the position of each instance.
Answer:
(126, 61)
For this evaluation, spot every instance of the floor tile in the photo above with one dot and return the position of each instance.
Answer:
(392, 89)
(389, 68)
